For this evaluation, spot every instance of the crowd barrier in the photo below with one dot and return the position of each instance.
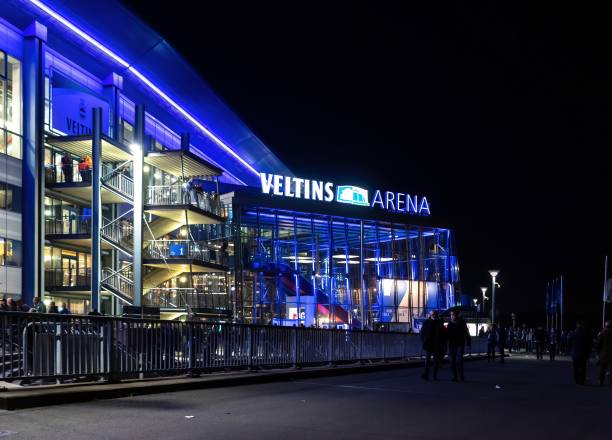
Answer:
(39, 346)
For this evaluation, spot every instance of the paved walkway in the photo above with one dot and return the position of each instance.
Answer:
(521, 399)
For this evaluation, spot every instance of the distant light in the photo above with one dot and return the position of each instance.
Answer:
(183, 279)
(145, 168)
(494, 272)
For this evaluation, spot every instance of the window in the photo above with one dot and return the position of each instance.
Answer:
(10, 197)
(10, 252)
(10, 106)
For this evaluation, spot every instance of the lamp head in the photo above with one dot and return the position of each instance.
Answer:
(484, 290)
(494, 272)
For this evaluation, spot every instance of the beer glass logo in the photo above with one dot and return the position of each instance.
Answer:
(352, 195)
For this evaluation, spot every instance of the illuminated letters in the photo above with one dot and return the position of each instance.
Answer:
(298, 188)
(266, 182)
(329, 192)
(378, 199)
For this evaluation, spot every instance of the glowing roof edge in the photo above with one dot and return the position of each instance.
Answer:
(89, 39)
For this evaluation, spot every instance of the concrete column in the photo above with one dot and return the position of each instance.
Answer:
(138, 152)
(96, 208)
(33, 233)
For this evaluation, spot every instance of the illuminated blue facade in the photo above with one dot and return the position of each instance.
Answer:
(124, 181)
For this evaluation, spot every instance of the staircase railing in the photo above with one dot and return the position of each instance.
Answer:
(120, 281)
(178, 194)
(183, 297)
(118, 181)
(173, 249)
(119, 231)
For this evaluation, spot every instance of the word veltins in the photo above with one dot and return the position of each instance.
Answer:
(295, 187)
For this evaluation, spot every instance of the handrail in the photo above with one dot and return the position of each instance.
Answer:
(168, 195)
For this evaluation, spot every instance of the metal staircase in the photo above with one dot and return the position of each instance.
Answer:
(118, 183)
(119, 283)
(119, 232)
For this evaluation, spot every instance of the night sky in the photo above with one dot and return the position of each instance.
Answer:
(500, 115)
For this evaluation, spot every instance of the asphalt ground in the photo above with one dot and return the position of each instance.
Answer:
(521, 399)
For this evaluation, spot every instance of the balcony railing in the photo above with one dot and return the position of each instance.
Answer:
(182, 297)
(169, 195)
(55, 278)
(68, 225)
(181, 249)
(66, 174)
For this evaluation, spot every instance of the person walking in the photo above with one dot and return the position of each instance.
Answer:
(458, 338)
(492, 343)
(604, 352)
(552, 344)
(539, 337)
(433, 337)
(501, 343)
(580, 349)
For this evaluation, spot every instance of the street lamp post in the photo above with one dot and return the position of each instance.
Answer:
(494, 274)
(484, 297)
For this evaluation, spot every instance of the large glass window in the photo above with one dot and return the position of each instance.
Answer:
(326, 271)
(10, 106)
(10, 197)
(10, 252)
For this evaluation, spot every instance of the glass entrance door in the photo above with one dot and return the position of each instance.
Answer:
(69, 266)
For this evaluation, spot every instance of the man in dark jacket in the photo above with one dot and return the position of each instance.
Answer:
(604, 351)
(540, 342)
(433, 336)
(580, 349)
(458, 337)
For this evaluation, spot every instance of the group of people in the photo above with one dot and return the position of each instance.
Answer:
(578, 344)
(11, 305)
(438, 338)
(528, 340)
(195, 195)
(85, 166)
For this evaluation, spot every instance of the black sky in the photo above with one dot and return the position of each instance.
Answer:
(500, 114)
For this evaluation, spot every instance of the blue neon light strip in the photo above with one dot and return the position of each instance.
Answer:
(95, 43)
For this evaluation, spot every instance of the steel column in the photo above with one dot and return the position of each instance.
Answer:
(139, 189)
(33, 182)
(96, 208)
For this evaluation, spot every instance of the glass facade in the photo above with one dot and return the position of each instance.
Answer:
(10, 106)
(309, 269)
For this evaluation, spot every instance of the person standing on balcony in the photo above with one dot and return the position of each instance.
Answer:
(67, 167)
(82, 169)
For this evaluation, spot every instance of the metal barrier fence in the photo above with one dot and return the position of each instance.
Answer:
(59, 346)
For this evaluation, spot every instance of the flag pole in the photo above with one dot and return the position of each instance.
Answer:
(561, 302)
(603, 313)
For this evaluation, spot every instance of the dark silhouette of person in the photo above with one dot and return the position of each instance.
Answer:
(580, 350)
(539, 337)
(458, 338)
(433, 337)
(604, 351)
